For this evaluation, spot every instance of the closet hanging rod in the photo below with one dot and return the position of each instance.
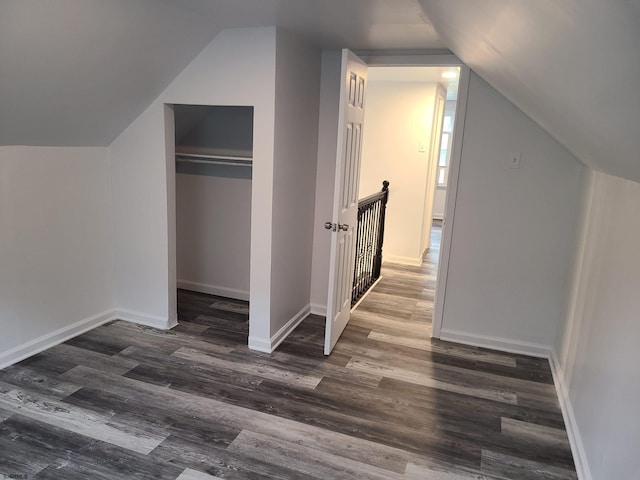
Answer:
(214, 159)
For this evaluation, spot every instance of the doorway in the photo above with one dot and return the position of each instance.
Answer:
(409, 123)
(213, 188)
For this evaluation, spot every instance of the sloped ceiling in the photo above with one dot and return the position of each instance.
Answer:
(78, 72)
(573, 66)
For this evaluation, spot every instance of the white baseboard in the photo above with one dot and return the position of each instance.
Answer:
(413, 262)
(496, 343)
(269, 345)
(214, 290)
(369, 290)
(140, 318)
(54, 338)
(577, 447)
(319, 309)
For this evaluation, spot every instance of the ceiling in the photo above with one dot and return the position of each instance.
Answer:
(77, 72)
(419, 74)
(573, 66)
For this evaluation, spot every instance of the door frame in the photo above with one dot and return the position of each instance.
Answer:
(437, 59)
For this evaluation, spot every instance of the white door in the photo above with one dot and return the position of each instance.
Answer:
(343, 225)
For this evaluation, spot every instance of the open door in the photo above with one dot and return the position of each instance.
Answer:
(343, 225)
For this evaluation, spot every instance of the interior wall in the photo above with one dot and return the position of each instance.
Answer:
(294, 179)
(513, 230)
(398, 119)
(213, 201)
(55, 246)
(596, 354)
(213, 212)
(223, 130)
(236, 68)
(439, 202)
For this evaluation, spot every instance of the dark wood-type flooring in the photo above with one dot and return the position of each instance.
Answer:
(129, 402)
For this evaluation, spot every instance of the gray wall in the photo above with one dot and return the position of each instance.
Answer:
(56, 246)
(224, 129)
(213, 229)
(596, 355)
(294, 177)
(513, 230)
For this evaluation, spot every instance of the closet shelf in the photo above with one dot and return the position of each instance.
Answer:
(210, 159)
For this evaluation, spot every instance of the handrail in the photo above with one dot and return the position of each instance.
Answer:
(374, 196)
(369, 241)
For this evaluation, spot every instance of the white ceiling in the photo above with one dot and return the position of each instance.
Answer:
(418, 74)
(573, 66)
(77, 72)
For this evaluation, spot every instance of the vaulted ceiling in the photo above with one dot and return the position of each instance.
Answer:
(77, 72)
(573, 66)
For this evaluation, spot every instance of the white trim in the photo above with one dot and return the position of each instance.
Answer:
(54, 338)
(411, 261)
(575, 440)
(366, 293)
(421, 58)
(140, 318)
(450, 202)
(318, 309)
(496, 343)
(436, 58)
(262, 344)
(214, 290)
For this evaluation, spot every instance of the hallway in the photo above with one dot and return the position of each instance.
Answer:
(404, 297)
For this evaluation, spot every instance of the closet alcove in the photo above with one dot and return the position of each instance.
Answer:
(213, 160)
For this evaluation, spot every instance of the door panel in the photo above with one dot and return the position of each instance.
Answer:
(345, 201)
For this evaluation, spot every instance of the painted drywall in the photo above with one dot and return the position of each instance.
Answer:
(297, 92)
(55, 244)
(439, 202)
(236, 68)
(325, 177)
(398, 119)
(213, 219)
(222, 130)
(513, 230)
(213, 201)
(571, 66)
(598, 359)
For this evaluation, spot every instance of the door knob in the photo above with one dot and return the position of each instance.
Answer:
(330, 226)
(343, 226)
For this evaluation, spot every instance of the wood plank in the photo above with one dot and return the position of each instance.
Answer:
(307, 461)
(388, 403)
(79, 421)
(509, 466)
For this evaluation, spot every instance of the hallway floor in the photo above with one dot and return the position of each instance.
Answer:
(124, 401)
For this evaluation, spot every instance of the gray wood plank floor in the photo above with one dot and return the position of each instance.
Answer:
(124, 401)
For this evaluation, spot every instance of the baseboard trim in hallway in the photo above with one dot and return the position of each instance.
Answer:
(496, 343)
(54, 338)
(575, 440)
(269, 345)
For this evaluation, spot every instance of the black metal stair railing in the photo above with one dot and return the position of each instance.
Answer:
(370, 236)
